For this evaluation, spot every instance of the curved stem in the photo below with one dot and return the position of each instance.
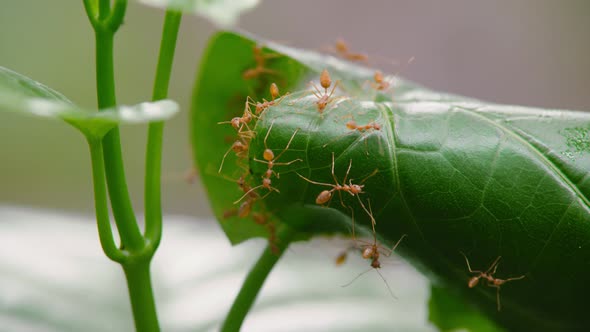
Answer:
(101, 206)
(153, 163)
(142, 298)
(115, 19)
(91, 12)
(113, 158)
(254, 281)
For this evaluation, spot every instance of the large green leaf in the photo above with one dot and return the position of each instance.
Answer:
(453, 174)
(21, 94)
(221, 12)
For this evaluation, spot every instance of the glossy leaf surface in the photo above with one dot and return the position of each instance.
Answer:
(21, 94)
(453, 174)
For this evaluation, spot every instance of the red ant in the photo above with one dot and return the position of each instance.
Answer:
(380, 83)
(342, 49)
(488, 276)
(325, 196)
(240, 122)
(263, 220)
(371, 125)
(240, 147)
(352, 125)
(260, 59)
(245, 208)
(373, 252)
(324, 97)
(274, 93)
(271, 161)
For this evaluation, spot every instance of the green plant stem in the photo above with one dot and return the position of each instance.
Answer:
(254, 281)
(104, 9)
(153, 163)
(142, 297)
(115, 173)
(101, 205)
(137, 265)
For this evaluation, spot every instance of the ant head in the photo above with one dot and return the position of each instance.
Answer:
(356, 189)
(375, 263)
(325, 79)
(473, 281)
(235, 122)
(274, 91)
(341, 45)
(323, 197)
(376, 126)
(378, 77)
(266, 183)
(241, 181)
(322, 103)
(268, 155)
(239, 147)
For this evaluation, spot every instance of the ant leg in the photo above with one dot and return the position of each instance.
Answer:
(331, 196)
(267, 134)
(355, 278)
(333, 88)
(287, 163)
(515, 278)
(370, 175)
(469, 266)
(247, 193)
(263, 70)
(347, 171)
(394, 247)
(498, 298)
(353, 226)
(270, 191)
(341, 201)
(314, 182)
(494, 265)
(223, 160)
(337, 138)
(370, 213)
(333, 174)
(318, 93)
(380, 275)
(386, 284)
(288, 144)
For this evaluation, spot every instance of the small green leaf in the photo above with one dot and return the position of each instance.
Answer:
(450, 313)
(452, 173)
(221, 12)
(22, 95)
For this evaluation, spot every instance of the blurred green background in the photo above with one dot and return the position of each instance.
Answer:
(531, 52)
